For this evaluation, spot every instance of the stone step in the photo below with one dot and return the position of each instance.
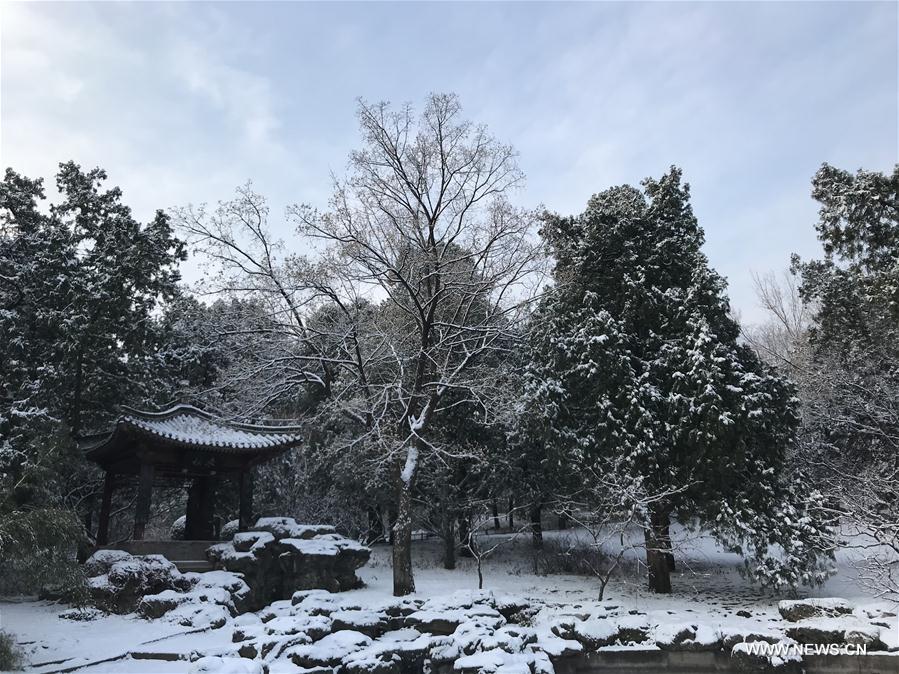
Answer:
(196, 565)
(153, 655)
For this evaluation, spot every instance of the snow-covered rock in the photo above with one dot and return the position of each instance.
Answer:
(219, 588)
(795, 610)
(687, 637)
(330, 650)
(287, 527)
(280, 557)
(751, 656)
(845, 630)
(176, 531)
(118, 580)
(229, 529)
(214, 664)
(597, 632)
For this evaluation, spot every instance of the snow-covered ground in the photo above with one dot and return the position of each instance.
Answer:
(708, 590)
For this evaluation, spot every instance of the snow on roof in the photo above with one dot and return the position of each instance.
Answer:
(189, 425)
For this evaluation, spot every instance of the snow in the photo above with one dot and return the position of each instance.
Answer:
(287, 527)
(218, 665)
(47, 639)
(410, 465)
(331, 649)
(700, 614)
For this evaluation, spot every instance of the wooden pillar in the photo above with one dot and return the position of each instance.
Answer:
(144, 498)
(105, 508)
(245, 513)
(200, 508)
(207, 509)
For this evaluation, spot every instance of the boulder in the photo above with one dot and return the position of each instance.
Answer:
(817, 633)
(118, 581)
(868, 637)
(101, 561)
(176, 531)
(370, 623)
(801, 609)
(229, 529)
(287, 527)
(731, 638)
(279, 557)
(748, 657)
(688, 637)
(598, 632)
(329, 651)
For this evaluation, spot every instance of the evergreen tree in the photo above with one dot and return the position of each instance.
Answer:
(638, 373)
(850, 385)
(79, 284)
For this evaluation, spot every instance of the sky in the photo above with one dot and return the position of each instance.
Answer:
(183, 102)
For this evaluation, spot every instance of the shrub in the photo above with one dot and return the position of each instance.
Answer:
(11, 657)
(570, 556)
(38, 549)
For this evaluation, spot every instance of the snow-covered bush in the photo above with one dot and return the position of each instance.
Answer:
(570, 556)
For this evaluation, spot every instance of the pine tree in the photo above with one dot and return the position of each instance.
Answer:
(638, 373)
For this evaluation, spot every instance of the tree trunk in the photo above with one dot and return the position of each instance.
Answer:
(563, 521)
(511, 513)
(448, 534)
(89, 513)
(536, 527)
(495, 507)
(669, 553)
(403, 582)
(656, 559)
(76, 397)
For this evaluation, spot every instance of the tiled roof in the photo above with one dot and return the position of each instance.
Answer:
(188, 425)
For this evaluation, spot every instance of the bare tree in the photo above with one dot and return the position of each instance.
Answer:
(479, 549)
(782, 339)
(423, 226)
(609, 511)
(421, 276)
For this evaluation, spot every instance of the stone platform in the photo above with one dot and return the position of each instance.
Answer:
(186, 555)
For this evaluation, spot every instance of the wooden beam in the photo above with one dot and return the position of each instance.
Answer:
(105, 508)
(144, 498)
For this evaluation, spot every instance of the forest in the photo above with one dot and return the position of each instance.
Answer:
(462, 365)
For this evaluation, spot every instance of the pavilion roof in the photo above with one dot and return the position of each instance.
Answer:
(190, 428)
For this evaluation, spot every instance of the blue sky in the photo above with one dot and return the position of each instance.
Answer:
(183, 102)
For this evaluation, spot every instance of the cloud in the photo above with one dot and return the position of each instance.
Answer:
(245, 98)
(181, 102)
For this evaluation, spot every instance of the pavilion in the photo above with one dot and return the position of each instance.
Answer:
(182, 444)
